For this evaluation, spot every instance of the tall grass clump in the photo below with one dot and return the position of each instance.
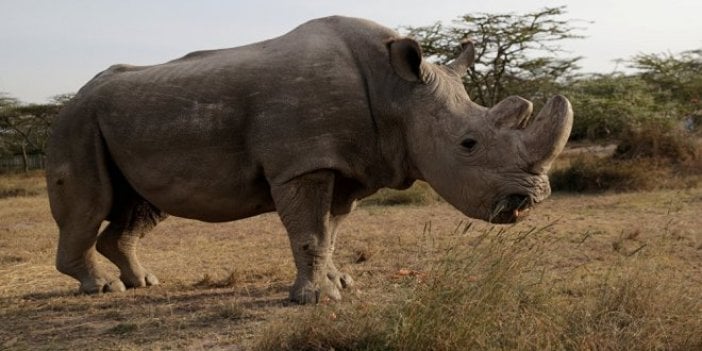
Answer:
(489, 295)
(497, 291)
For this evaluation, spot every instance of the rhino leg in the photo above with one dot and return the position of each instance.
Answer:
(305, 206)
(76, 257)
(81, 197)
(132, 218)
(341, 207)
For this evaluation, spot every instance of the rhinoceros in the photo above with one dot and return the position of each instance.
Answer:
(304, 124)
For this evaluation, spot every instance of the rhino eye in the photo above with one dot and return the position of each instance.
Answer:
(469, 143)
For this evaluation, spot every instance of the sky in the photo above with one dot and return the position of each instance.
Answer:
(50, 47)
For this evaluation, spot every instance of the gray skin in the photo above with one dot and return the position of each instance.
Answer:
(305, 125)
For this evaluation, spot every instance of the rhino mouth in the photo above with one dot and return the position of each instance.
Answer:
(511, 209)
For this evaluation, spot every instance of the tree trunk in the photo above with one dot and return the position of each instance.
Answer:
(25, 159)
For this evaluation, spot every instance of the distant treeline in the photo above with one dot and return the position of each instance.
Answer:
(517, 54)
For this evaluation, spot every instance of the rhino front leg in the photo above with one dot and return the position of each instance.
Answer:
(305, 208)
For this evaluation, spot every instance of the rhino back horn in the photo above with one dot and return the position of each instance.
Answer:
(512, 112)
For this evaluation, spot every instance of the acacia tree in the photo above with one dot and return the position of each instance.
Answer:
(517, 54)
(676, 78)
(8, 138)
(24, 129)
(608, 105)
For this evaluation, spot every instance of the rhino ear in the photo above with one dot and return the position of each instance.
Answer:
(406, 59)
(465, 60)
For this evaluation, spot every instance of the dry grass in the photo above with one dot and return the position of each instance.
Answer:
(22, 184)
(610, 271)
(420, 193)
(654, 156)
(497, 290)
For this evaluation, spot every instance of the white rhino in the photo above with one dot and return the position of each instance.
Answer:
(305, 125)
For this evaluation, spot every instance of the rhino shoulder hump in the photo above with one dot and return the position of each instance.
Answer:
(116, 69)
(197, 55)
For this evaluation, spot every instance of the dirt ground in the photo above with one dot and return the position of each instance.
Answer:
(223, 285)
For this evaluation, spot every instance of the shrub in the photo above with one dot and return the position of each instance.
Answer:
(591, 174)
(607, 105)
(658, 141)
(656, 154)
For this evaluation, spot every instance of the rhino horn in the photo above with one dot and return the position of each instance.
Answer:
(465, 60)
(546, 136)
(512, 112)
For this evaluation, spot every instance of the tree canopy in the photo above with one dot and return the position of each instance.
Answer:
(24, 128)
(517, 54)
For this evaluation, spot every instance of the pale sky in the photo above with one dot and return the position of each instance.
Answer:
(50, 47)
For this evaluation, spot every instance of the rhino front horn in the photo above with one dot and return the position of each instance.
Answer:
(546, 135)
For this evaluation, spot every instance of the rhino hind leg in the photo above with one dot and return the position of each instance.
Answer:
(310, 212)
(131, 218)
(80, 195)
(76, 257)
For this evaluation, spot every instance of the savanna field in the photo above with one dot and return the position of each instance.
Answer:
(607, 271)
(611, 261)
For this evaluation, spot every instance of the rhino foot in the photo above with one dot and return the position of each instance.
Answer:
(340, 280)
(102, 286)
(305, 293)
(329, 285)
(147, 279)
(99, 286)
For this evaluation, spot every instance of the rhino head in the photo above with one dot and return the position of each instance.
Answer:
(490, 163)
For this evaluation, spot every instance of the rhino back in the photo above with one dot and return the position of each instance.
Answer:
(203, 136)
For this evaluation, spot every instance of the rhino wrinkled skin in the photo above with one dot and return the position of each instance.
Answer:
(304, 124)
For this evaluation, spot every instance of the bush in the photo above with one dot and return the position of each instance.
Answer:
(607, 105)
(653, 155)
(591, 174)
(657, 141)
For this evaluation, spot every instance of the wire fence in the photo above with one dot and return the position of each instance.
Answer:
(16, 163)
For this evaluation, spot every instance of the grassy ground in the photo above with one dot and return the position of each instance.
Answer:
(595, 272)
